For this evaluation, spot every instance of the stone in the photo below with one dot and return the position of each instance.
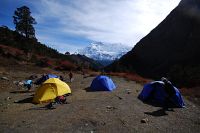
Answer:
(145, 120)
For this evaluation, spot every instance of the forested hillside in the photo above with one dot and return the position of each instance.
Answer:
(31, 50)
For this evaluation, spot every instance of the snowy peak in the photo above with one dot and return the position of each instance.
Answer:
(105, 51)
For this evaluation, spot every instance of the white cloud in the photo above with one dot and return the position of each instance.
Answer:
(60, 45)
(112, 21)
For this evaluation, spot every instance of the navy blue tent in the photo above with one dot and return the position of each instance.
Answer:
(44, 78)
(102, 83)
(155, 92)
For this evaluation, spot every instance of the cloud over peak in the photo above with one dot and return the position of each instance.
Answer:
(112, 21)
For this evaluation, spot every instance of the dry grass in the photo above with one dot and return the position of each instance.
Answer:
(11, 50)
(92, 73)
(131, 76)
(128, 76)
(193, 92)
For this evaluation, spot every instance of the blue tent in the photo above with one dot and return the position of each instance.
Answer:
(155, 92)
(44, 78)
(102, 83)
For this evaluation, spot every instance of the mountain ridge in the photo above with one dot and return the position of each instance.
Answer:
(104, 52)
(171, 49)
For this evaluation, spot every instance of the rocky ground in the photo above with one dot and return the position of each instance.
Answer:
(86, 111)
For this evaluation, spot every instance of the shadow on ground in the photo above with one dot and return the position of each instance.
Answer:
(160, 112)
(88, 89)
(157, 113)
(157, 104)
(41, 108)
(26, 91)
(26, 100)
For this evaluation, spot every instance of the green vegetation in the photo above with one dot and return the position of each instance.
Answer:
(24, 22)
(22, 45)
(14, 39)
(41, 54)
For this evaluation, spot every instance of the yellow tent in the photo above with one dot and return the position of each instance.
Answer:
(50, 89)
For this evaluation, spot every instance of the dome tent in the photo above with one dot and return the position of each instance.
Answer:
(154, 92)
(50, 89)
(102, 83)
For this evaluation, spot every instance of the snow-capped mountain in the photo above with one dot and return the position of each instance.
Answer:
(104, 51)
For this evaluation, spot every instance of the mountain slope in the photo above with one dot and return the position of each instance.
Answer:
(18, 47)
(104, 52)
(171, 49)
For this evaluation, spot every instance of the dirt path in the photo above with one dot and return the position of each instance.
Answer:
(117, 111)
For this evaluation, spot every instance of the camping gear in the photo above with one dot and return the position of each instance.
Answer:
(154, 92)
(44, 78)
(28, 84)
(50, 89)
(102, 83)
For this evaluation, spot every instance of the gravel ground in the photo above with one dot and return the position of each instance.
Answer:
(89, 112)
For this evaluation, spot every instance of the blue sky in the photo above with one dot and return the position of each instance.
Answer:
(68, 25)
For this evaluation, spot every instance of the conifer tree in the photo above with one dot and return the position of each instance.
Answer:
(24, 22)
